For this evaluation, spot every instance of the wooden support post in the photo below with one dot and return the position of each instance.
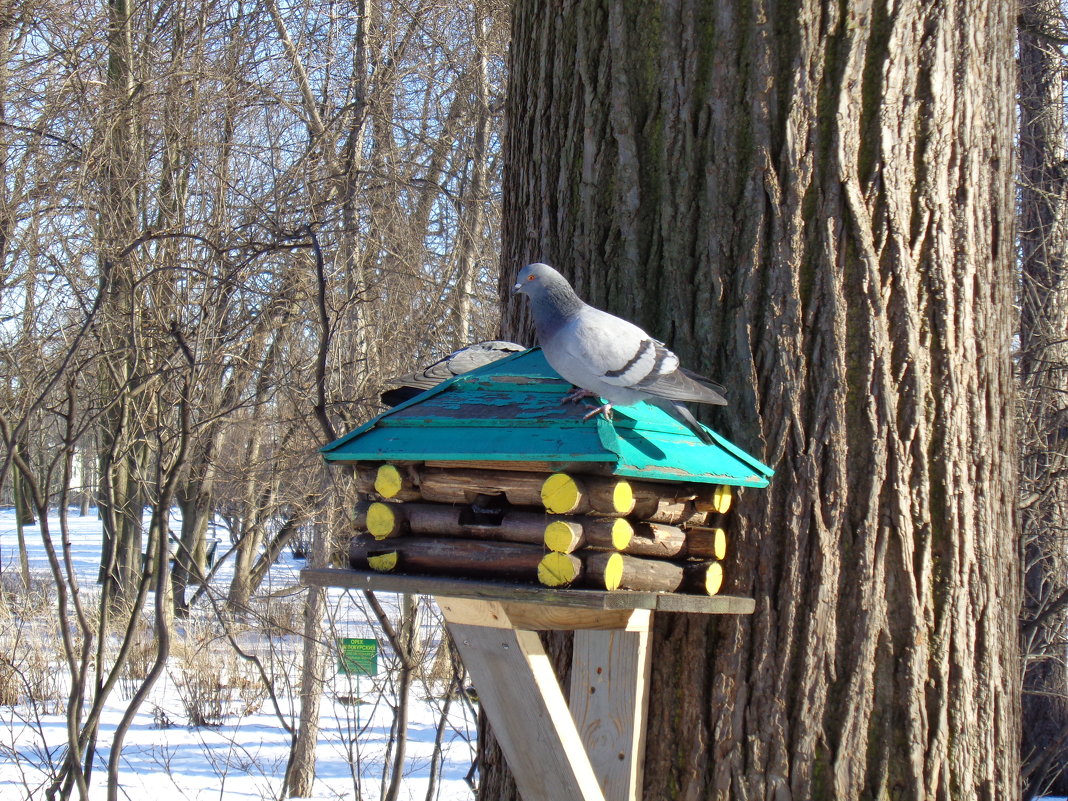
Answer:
(609, 700)
(593, 749)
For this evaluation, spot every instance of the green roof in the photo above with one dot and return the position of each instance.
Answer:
(510, 411)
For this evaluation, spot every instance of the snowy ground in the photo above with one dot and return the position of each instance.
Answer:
(165, 757)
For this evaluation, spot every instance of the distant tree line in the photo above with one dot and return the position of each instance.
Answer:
(222, 225)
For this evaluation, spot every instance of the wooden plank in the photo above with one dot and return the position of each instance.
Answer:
(599, 468)
(525, 593)
(538, 617)
(521, 696)
(609, 701)
(720, 604)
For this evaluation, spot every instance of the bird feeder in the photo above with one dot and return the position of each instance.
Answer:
(519, 515)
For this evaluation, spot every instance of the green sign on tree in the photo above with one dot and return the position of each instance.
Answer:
(357, 656)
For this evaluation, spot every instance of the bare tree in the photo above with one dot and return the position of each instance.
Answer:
(389, 171)
(221, 227)
(1043, 373)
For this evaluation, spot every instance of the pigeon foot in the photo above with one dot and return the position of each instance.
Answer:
(575, 395)
(605, 410)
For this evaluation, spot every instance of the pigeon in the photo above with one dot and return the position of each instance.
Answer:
(606, 356)
(456, 363)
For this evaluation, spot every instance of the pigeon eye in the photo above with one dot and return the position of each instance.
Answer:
(531, 277)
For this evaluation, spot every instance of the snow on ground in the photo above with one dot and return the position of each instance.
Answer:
(165, 758)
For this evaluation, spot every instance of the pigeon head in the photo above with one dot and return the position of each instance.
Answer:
(535, 279)
(549, 292)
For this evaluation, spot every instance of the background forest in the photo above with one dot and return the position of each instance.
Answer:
(223, 226)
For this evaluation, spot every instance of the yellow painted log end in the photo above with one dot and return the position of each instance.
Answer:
(384, 562)
(381, 520)
(563, 536)
(716, 500)
(623, 497)
(622, 533)
(560, 493)
(613, 572)
(714, 578)
(719, 544)
(388, 481)
(558, 569)
(721, 499)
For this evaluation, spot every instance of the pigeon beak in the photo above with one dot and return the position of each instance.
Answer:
(517, 288)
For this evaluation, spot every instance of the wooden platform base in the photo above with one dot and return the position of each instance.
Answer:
(592, 750)
(527, 593)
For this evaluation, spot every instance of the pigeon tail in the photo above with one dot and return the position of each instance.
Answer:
(682, 414)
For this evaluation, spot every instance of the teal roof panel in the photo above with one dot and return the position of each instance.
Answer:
(511, 410)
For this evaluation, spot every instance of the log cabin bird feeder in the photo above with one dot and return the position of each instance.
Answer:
(519, 515)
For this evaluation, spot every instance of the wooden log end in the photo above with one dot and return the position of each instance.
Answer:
(719, 544)
(383, 520)
(604, 570)
(388, 481)
(383, 562)
(559, 569)
(613, 572)
(622, 533)
(717, 500)
(561, 494)
(713, 578)
(563, 536)
(623, 497)
(704, 542)
(391, 483)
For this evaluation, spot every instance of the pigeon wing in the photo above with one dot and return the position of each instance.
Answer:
(618, 353)
(461, 361)
(467, 359)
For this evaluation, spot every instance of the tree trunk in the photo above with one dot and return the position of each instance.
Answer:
(123, 452)
(22, 519)
(474, 202)
(194, 500)
(812, 204)
(300, 771)
(87, 493)
(251, 536)
(1043, 367)
(398, 744)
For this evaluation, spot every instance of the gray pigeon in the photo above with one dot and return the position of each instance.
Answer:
(456, 363)
(606, 356)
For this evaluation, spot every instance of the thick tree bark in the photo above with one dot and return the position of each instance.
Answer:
(811, 203)
(1043, 366)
